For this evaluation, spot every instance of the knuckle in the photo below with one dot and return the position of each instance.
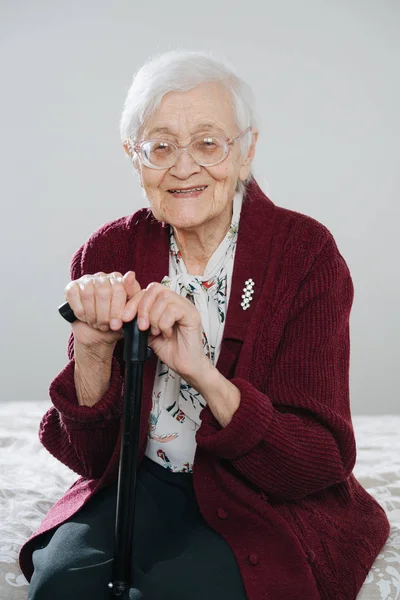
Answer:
(154, 285)
(85, 283)
(115, 278)
(165, 293)
(82, 280)
(117, 287)
(100, 280)
(72, 285)
(71, 292)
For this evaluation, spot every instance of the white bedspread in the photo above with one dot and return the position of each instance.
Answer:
(31, 480)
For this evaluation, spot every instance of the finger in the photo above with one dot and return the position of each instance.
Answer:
(131, 284)
(118, 300)
(102, 295)
(159, 307)
(130, 310)
(142, 303)
(171, 315)
(86, 291)
(186, 313)
(147, 301)
(73, 297)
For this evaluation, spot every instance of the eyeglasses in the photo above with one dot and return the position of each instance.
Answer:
(206, 151)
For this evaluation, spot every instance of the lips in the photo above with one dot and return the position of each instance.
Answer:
(191, 190)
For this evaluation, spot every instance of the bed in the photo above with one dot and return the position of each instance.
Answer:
(31, 481)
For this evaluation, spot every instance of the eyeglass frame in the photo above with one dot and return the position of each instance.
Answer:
(137, 147)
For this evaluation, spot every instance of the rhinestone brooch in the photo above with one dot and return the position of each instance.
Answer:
(247, 295)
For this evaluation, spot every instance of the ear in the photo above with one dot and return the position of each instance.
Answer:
(135, 162)
(245, 168)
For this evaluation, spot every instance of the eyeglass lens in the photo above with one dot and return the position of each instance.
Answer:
(204, 150)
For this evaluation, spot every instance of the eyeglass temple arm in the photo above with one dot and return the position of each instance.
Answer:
(240, 135)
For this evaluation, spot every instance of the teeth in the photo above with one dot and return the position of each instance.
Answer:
(199, 189)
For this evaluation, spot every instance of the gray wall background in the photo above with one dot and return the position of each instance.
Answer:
(326, 80)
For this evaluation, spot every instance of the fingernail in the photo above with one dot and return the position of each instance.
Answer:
(141, 323)
(114, 323)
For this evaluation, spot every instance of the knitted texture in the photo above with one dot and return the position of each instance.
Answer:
(277, 481)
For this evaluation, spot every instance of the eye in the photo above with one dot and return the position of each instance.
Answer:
(207, 144)
(161, 147)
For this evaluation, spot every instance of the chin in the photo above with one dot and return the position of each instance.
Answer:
(182, 223)
(184, 217)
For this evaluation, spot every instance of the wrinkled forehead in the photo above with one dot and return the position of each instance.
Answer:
(206, 108)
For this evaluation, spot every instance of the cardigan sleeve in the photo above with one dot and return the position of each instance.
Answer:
(82, 437)
(295, 437)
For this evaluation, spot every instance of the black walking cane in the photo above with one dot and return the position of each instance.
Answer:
(136, 353)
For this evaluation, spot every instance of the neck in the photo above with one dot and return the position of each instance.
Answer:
(198, 245)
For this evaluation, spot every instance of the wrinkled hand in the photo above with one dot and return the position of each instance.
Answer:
(98, 302)
(176, 331)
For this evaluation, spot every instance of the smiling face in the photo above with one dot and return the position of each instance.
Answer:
(206, 109)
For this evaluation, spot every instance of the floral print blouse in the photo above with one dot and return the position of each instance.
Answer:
(174, 417)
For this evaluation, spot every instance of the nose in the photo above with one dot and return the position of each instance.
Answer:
(185, 166)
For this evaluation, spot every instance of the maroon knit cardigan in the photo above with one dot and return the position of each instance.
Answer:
(276, 483)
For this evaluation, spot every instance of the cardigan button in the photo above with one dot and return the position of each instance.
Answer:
(253, 559)
(222, 513)
(263, 496)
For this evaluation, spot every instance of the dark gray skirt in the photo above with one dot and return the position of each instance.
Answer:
(176, 555)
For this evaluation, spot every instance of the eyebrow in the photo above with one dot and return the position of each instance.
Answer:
(200, 127)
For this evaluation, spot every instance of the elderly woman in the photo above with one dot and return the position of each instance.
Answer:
(245, 484)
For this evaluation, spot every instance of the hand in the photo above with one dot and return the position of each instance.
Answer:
(97, 301)
(176, 331)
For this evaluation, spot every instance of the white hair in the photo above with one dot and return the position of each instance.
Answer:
(181, 71)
